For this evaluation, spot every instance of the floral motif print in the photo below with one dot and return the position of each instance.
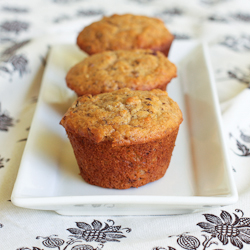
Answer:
(90, 12)
(240, 75)
(26, 248)
(14, 26)
(80, 13)
(12, 49)
(98, 232)
(239, 44)
(212, 2)
(65, 1)
(226, 230)
(188, 242)
(2, 161)
(61, 18)
(241, 147)
(19, 63)
(237, 16)
(244, 136)
(221, 229)
(142, 1)
(168, 14)
(181, 36)
(16, 63)
(1, 166)
(245, 151)
(243, 17)
(12, 62)
(217, 18)
(5, 121)
(172, 12)
(15, 9)
(163, 248)
(51, 242)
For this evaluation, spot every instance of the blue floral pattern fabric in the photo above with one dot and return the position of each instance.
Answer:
(28, 29)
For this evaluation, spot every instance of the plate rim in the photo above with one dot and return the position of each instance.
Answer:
(33, 202)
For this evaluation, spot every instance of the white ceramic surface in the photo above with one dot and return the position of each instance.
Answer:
(199, 175)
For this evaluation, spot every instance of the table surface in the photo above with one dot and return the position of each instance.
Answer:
(28, 29)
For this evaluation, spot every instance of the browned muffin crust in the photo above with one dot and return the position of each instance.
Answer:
(123, 117)
(112, 70)
(125, 32)
(124, 138)
(123, 167)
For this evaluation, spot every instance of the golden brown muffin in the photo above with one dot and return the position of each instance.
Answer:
(112, 70)
(124, 138)
(125, 32)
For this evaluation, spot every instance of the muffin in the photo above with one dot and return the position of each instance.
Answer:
(125, 32)
(107, 71)
(124, 138)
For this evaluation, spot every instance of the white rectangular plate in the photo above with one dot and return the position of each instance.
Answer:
(199, 175)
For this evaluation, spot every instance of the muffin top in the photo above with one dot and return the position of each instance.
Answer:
(137, 69)
(124, 32)
(124, 116)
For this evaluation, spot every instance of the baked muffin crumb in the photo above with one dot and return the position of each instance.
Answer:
(112, 70)
(124, 138)
(125, 32)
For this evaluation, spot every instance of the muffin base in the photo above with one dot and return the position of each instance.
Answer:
(122, 167)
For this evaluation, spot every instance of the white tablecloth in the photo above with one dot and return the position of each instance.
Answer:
(223, 24)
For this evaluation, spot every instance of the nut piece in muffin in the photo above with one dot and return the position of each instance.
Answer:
(125, 32)
(107, 71)
(124, 138)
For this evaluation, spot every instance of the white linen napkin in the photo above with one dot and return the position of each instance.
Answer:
(22, 63)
